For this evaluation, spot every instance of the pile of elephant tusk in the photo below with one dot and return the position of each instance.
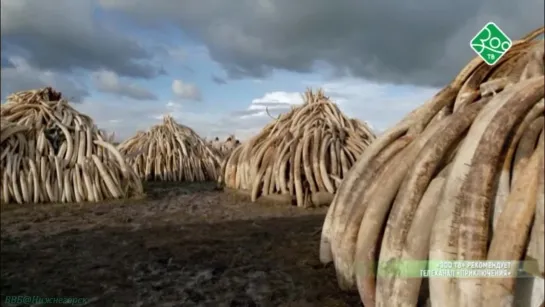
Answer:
(171, 152)
(52, 153)
(458, 179)
(302, 155)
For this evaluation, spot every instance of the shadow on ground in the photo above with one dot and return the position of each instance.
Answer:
(165, 256)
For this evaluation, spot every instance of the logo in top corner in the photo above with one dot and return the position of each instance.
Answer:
(491, 43)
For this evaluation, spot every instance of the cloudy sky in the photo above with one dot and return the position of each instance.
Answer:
(216, 64)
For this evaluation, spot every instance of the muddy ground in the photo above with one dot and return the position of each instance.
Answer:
(184, 245)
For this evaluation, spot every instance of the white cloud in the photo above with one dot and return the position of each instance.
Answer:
(272, 102)
(172, 108)
(277, 100)
(381, 105)
(118, 118)
(21, 76)
(178, 54)
(125, 122)
(109, 82)
(186, 90)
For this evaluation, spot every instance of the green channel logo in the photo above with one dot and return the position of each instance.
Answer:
(491, 44)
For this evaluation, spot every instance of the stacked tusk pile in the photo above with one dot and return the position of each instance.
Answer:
(52, 153)
(303, 154)
(171, 152)
(459, 179)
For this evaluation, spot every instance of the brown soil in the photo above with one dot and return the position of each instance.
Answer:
(184, 245)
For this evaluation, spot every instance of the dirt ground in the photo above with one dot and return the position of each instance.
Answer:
(184, 245)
